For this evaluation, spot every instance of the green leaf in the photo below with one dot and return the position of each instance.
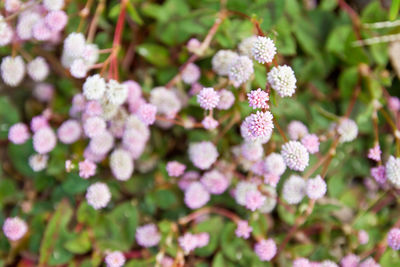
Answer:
(218, 260)
(347, 81)
(8, 116)
(165, 198)
(390, 258)
(133, 13)
(155, 54)
(79, 245)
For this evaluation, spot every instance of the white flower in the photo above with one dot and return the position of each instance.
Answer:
(166, 101)
(275, 164)
(94, 87)
(78, 68)
(38, 162)
(38, 69)
(53, 5)
(222, 61)
(246, 46)
(270, 200)
(74, 45)
(12, 70)
(316, 188)
(121, 164)
(98, 195)
(263, 50)
(348, 130)
(116, 92)
(282, 80)
(294, 189)
(295, 155)
(393, 171)
(241, 70)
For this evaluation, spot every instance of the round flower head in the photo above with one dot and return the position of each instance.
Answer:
(88, 154)
(98, 195)
(87, 169)
(260, 125)
(147, 113)
(26, 23)
(78, 102)
(134, 92)
(39, 122)
(166, 101)
(116, 92)
(102, 143)
(94, 87)
(294, 189)
(190, 74)
(187, 242)
(94, 126)
(247, 134)
(134, 142)
(282, 80)
(270, 199)
(40, 31)
(275, 164)
(193, 44)
(394, 104)
(393, 238)
(12, 5)
(375, 153)
(203, 154)
(222, 61)
(242, 188)
(90, 54)
(18, 133)
(38, 69)
(148, 235)
(38, 162)
(311, 143)
(202, 239)
(69, 132)
(187, 179)
(379, 174)
(215, 182)
(93, 108)
(258, 99)
(263, 50)
(167, 262)
(56, 20)
(369, 262)
(52, 5)
(295, 155)
(12, 70)
(271, 179)
(74, 45)
(6, 32)
(252, 151)
(246, 45)
(175, 169)
(115, 259)
(208, 98)
(297, 130)
(254, 200)
(121, 164)
(44, 140)
(363, 237)
(265, 249)
(347, 130)
(44, 92)
(316, 188)
(196, 196)
(209, 123)
(243, 229)
(327, 263)
(226, 99)
(14, 228)
(301, 262)
(241, 70)
(393, 171)
(350, 260)
(78, 68)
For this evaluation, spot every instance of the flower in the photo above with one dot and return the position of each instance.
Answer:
(275, 164)
(44, 140)
(270, 199)
(246, 45)
(116, 92)
(74, 45)
(369, 262)
(94, 126)
(25, 25)
(38, 162)
(243, 229)
(69, 132)
(86, 169)
(190, 74)
(282, 80)
(14, 228)
(215, 182)
(147, 113)
(379, 174)
(18, 133)
(394, 103)
(241, 70)
(78, 68)
(222, 61)
(242, 188)
(393, 238)
(209, 123)
(265, 249)
(294, 189)
(44, 92)
(263, 50)
(271, 178)
(226, 99)
(38, 122)
(175, 169)
(316, 188)
(208, 98)
(148, 235)
(196, 195)
(6, 32)
(347, 130)
(301, 262)
(12, 70)
(254, 200)
(40, 31)
(56, 20)
(297, 130)
(38, 69)
(375, 153)
(101, 143)
(350, 260)
(166, 101)
(258, 99)
(52, 5)
(12, 5)
(295, 155)
(188, 242)
(363, 237)
(115, 259)
(393, 171)
(121, 164)
(98, 195)
(203, 154)
(311, 143)
(247, 134)
(260, 124)
(252, 151)
(94, 87)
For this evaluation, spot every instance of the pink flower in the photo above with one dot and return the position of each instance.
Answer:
(94, 126)
(301, 262)
(187, 179)
(363, 237)
(208, 98)
(311, 143)
(316, 188)
(265, 249)
(258, 99)
(93, 108)
(394, 104)
(375, 153)
(260, 124)
(350, 260)
(175, 169)
(202, 239)
(379, 174)
(243, 229)
(188, 242)
(69, 165)
(254, 200)
(69, 132)
(295, 155)
(226, 99)
(191, 74)
(18, 133)
(148, 235)
(147, 113)
(271, 178)
(209, 123)
(196, 196)
(86, 169)
(297, 130)
(115, 259)
(44, 140)
(394, 238)
(14, 228)
(215, 182)
(56, 20)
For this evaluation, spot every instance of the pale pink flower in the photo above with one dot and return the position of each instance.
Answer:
(44, 140)
(260, 124)
(363, 237)
(375, 153)
(311, 143)
(254, 200)
(14, 228)
(394, 104)
(196, 196)
(243, 229)
(39, 122)
(87, 169)
(393, 238)
(18, 133)
(187, 242)
(147, 113)
(56, 20)
(208, 98)
(175, 169)
(258, 99)
(379, 174)
(215, 182)
(115, 259)
(271, 178)
(209, 123)
(265, 249)
(148, 235)
(69, 132)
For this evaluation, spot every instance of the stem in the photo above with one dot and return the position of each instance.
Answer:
(207, 210)
(93, 24)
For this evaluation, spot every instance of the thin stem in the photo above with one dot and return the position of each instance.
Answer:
(207, 210)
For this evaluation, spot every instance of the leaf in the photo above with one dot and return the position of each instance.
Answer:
(8, 116)
(155, 54)
(165, 198)
(79, 245)
(390, 258)
(19, 155)
(218, 260)
(133, 13)
(347, 81)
